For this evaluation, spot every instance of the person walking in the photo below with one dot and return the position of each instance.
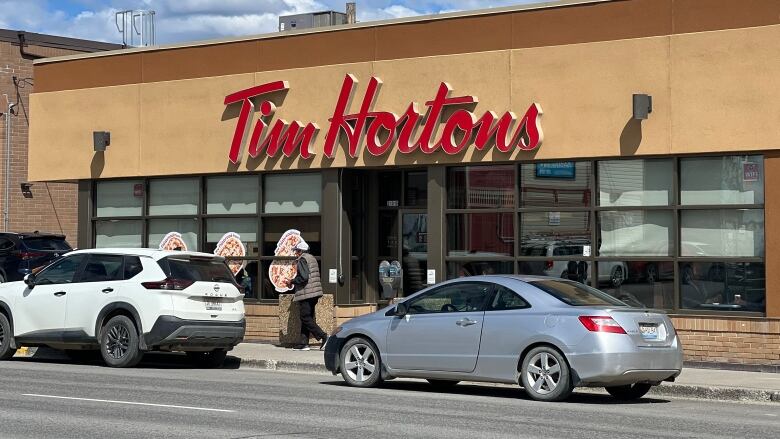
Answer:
(308, 290)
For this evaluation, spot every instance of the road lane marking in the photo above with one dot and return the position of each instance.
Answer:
(34, 395)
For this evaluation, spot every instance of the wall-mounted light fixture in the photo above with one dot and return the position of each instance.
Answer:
(643, 105)
(101, 140)
(27, 190)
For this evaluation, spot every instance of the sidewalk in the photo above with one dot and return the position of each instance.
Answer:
(692, 383)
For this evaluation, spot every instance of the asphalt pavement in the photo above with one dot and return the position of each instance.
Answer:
(165, 397)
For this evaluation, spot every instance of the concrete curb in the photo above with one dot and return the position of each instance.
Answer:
(665, 390)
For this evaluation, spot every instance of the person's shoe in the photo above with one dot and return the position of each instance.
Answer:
(301, 347)
(324, 342)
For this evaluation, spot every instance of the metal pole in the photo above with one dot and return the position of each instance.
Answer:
(6, 203)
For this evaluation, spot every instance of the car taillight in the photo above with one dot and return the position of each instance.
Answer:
(548, 265)
(26, 256)
(601, 324)
(168, 284)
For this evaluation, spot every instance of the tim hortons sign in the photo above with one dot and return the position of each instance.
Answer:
(411, 131)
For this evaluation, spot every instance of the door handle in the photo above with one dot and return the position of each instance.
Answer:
(466, 322)
(60, 293)
(108, 290)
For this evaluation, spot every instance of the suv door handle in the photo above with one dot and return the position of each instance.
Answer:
(60, 293)
(108, 290)
(466, 322)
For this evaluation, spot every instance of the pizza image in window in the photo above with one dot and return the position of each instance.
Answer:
(173, 241)
(282, 271)
(230, 246)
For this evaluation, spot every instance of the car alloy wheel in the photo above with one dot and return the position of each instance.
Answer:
(117, 342)
(617, 277)
(543, 373)
(360, 363)
(6, 351)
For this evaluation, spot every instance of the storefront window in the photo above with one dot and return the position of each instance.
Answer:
(188, 228)
(118, 233)
(119, 198)
(725, 232)
(246, 228)
(563, 233)
(416, 189)
(274, 228)
(481, 187)
(390, 185)
(722, 180)
(556, 184)
(636, 182)
(456, 269)
(232, 195)
(173, 196)
(293, 193)
(723, 286)
(480, 234)
(636, 233)
(639, 283)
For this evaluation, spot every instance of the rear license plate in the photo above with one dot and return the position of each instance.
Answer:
(213, 306)
(649, 331)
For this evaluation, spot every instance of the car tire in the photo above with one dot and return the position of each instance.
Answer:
(6, 351)
(617, 277)
(119, 343)
(442, 384)
(651, 273)
(545, 375)
(211, 359)
(629, 392)
(358, 357)
(2, 278)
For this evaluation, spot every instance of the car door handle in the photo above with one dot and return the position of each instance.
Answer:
(466, 322)
(60, 293)
(108, 290)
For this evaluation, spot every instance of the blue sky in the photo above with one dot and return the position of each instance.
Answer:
(187, 20)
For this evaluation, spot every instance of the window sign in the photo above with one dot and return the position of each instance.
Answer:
(173, 241)
(230, 246)
(750, 171)
(555, 170)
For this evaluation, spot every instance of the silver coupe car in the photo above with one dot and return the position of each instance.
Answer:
(547, 334)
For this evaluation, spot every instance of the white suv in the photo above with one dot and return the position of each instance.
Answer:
(126, 302)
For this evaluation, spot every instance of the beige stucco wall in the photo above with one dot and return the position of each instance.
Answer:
(712, 91)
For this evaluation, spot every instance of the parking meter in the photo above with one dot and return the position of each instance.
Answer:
(390, 278)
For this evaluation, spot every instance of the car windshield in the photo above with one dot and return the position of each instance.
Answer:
(576, 294)
(58, 244)
(207, 270)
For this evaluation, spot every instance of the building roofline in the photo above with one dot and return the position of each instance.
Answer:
(45, 40)
(362, 25)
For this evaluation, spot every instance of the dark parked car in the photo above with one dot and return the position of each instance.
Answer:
(21, 253)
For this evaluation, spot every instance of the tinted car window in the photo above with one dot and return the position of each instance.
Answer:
(60, 272)
(47, 244)
(576, 294)
(132, 266)
(208, 270)
(464, 297)
(506, 299)
(103, 268)
(6, 244)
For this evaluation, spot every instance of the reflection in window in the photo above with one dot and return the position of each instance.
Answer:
(246, 228)
(293, 193)
(636, 233)
(188, 228)
(636, 182)
(452, 298)
(722, 180)
(723, 286)
(555, 184)
(416, 189)
(274, 228)
(560, 232)
(232, 195)
(119, 198)
(480, 234)
(118, 233)
(478, 268)
(481, 187)
(647, 283)
(173, 196)
(737, 232)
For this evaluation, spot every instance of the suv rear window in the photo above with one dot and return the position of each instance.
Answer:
(47, 244)
(206, 270)
(576, 294)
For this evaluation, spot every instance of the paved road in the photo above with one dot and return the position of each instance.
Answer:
(165, 398)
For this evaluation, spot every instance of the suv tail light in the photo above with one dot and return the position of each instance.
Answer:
(548, 265)
(26, 255)
(601, 324)
(168, 284)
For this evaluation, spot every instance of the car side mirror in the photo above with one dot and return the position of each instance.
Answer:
(401, 310)
(29, 279)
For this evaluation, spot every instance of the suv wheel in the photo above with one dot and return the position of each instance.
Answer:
(213, 358)
(119, 343)
(6, 351)
(545, 375)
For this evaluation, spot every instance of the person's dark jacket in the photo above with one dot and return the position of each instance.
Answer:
(307, 281)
